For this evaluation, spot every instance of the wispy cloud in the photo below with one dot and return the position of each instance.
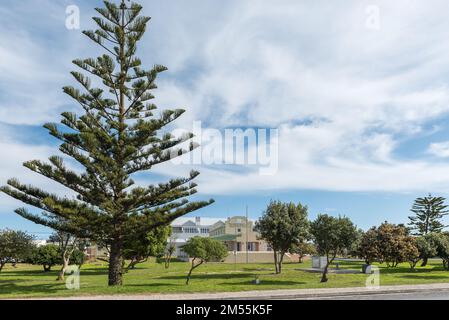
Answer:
(270, 64)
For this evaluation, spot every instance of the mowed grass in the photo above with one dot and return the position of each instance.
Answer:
(27, 281)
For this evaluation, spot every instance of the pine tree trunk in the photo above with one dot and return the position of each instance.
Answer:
(116, 264)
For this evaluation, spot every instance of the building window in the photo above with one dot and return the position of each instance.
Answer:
(177, 230)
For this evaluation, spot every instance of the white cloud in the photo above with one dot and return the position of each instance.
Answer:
(440, 149)
(260, 63)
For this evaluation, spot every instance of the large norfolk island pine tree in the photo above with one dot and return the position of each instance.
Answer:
(429, 212)
(118, 135)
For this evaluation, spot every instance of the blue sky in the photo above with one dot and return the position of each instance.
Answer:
(362, 105)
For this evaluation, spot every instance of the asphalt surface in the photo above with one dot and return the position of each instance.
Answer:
(436, 291)
(425, 295)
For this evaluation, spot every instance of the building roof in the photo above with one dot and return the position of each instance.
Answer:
(191, 221)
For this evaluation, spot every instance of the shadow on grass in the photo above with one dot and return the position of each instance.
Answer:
(248, 269)
(209, 276)
(53, 272)
(397, 270)
(10, 287)
(149, 285)
(265, 283)
(428, 277)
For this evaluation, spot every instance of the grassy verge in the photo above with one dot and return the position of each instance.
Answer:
(31, 281)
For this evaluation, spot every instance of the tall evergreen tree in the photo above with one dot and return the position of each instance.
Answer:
(429, 212)
(117, 136)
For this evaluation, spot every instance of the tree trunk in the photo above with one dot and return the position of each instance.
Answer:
(46, 268)
(424, 261)
(1, 266)
(281, 259)
(63, 269)
(167, 262)
(276, 262)
(116, 264)
(191, 270)
(132, 264)
(324, 276)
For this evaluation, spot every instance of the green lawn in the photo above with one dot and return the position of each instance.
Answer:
(31, 281)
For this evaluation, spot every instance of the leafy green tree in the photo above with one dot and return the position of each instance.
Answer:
(67, 245)
(170, 251)
(118, 135)
(78, 257)
(14, 246)
(393, 241)
(282, 226)
(429, 211)
(428, 245)
(410, 250)
(332, 237)
(369, 247)
(203, 250)
(154, 243)
(441, 243)
(302, 249)
(47, 256)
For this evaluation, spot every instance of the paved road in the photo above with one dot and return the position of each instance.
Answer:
(425, 295)
(436, 291)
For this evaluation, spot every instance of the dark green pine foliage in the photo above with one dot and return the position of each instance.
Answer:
(117, 135)
(429, 212)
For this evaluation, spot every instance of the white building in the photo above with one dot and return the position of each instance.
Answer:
(185, 228)
(39, 243)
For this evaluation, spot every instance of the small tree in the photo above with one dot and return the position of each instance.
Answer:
(368, 248)
(428, 245)
(332, 236)
(78, 258)
(441, 242)
(47, 256)
(410, 250)
(67, 245)
(139, 249)
(169, 251)
(14, 246)
(203, 250)
(393, 241)
(283, 226)
(302, 249)
(429, 211)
